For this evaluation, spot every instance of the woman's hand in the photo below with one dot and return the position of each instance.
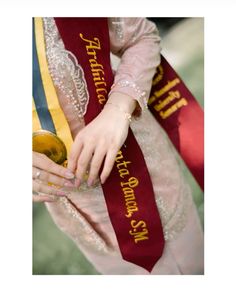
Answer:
(101, 140)
(46, 171)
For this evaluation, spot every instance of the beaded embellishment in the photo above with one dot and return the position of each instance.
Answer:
(118, 24)
(140, 95)
(67, 74)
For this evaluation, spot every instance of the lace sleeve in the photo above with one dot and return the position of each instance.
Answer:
(136, 41)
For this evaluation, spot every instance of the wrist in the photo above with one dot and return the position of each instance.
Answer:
(123, 101)
(118, 109)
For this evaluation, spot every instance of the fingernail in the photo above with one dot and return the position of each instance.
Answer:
(69, 184)
(61, 194)
(90, 182)
(69, 175)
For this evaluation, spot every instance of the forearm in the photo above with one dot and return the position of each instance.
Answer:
(123, 101)
(139, 50)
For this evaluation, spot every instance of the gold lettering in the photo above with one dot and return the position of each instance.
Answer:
(140, 235)
(129, 196)
(96, 77)
(96, 68)
(123, 172)
(93, 44)
(128, 203)
(95, 64)
(128, 192)
(172, 95)
(98, 90)
(101, 98)
(119, 156)
(131, 210)
(165, 114)
(151, 99)
(167, 87)
(159, 76)
(92, 52)
(100, 83)
(181, 103)
(136, 224)
(124, 163)
(130, 199)
(133, 182)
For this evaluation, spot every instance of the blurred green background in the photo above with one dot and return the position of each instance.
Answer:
(183, 46)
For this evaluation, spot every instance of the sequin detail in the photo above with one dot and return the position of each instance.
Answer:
(89, 237)
(140, 95)
(174, 221)
(173, 217)
(118, 24)
(67, 74)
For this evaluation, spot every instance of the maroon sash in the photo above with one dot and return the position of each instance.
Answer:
(178, 112)
(128, 191)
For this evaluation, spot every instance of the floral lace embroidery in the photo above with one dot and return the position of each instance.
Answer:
(68, 77)
(67, 74)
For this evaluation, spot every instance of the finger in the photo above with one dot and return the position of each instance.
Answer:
(36, 173)
(108, 165)
(74, 155)
(41, 161)
(96, 164)
(43, 198)
(40, 187)
(83, 162)
(51, 178)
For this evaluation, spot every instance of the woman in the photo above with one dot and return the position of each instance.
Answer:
(82, 213)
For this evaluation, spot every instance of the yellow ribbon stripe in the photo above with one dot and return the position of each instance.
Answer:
(59, 119)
